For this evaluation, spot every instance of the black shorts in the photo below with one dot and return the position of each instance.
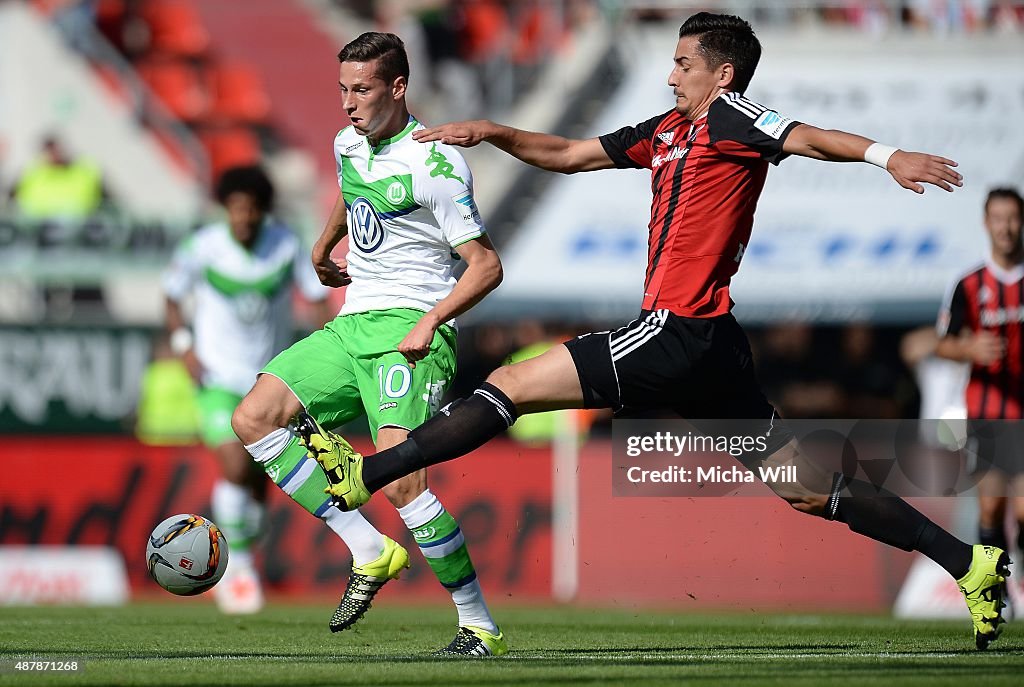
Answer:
(695, 368)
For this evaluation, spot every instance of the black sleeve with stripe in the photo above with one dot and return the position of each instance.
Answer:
(953, 315)
(618, 143)
(732, 117)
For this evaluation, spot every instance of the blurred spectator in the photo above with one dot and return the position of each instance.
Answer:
(871, 16)
(532, 339)
(941, 382)
(59, 187)
(946, 16)
(75, 19)
(868, 375)
(793, 377)
(489, 345)
(168, 412)
(1007, 16)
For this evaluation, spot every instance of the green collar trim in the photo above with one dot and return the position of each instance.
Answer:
(397, 137)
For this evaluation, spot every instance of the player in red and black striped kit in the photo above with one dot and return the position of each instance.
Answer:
(708, 158)
(982, 322)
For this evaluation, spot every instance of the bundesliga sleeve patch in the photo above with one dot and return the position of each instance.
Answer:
(467, 208)
(772, 123)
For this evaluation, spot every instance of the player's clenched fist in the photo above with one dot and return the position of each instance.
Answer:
(416, 344)
(331, 272)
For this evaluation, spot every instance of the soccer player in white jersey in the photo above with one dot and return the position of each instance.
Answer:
(409, 211)
(240, 272)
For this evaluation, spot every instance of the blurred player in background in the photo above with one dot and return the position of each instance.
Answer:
(390, 354)
(239, 273)
(709, 158)
(981, 324)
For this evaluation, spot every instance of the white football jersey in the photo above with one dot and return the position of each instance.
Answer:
(242, 312)
(409, 206)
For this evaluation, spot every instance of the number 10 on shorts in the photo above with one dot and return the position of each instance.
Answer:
(394, 383)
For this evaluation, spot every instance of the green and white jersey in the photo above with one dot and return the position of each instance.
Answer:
(242, 314)
(409, 205)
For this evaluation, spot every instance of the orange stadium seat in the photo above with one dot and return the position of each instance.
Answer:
(237, 93)
(178, 86)
(230, 146)
(176, 28)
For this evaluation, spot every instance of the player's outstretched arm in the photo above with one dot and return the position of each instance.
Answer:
(553, 153)
(909, 169)
(332, 272)
(483, 274)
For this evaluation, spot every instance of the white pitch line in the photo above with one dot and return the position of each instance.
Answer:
(722, 657)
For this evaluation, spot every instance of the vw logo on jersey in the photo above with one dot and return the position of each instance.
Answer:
(251, 307)
(364, 225)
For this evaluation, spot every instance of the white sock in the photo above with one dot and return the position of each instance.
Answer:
(270, 446)
(469, 599)
(420, 510)
(230, 502)
(362, 538)
(255, 519)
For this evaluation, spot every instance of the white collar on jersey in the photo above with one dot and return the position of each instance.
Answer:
(1006, 276)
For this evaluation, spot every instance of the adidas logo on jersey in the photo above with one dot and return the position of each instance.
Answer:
(666, 137)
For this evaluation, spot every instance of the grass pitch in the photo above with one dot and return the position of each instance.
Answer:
(189, 643)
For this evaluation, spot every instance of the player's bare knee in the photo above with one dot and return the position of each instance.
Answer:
(252, 420)
(506, 378)
(241, 423)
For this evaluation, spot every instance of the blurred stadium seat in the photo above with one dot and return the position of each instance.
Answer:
(237, 93)
(178, 86)
(176, 28)
(229, 146)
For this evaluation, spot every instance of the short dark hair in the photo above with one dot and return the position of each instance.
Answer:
(1005, 193)
(251, 180)
(387, 48)
(725, 38)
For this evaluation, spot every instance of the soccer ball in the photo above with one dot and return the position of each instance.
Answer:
(186, 554)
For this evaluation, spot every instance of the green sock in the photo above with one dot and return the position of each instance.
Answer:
(444, 547)
(300, 477)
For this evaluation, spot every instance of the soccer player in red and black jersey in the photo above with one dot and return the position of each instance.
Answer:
(982, 323)
(708, 158)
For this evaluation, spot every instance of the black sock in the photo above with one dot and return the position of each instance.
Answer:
(1020, 536)
(993, 536)
(884, 517)
(465, 425)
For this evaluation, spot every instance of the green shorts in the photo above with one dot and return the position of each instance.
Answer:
(216, 406)
(352, 366)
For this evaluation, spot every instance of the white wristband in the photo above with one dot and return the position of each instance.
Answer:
(878, 154)
(181, 340)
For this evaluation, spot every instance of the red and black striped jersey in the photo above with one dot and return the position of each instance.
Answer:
(991, 298)
(706, 178)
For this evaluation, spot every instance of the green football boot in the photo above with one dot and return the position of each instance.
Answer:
(475, 641)
(341, 463)
(983, 587)
(365, 581)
